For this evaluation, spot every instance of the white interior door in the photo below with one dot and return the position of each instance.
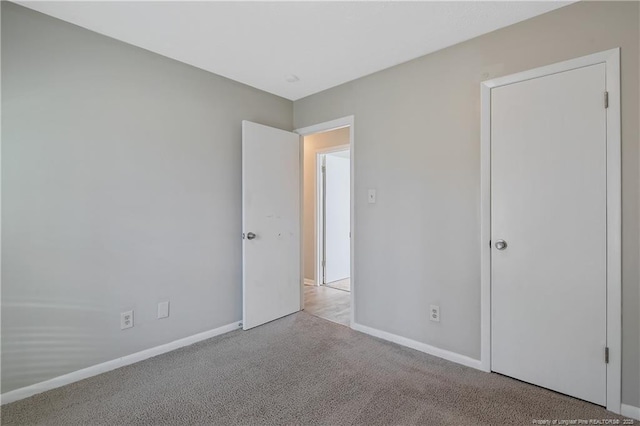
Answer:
(270, 223)
(548, 203)
(337, 212)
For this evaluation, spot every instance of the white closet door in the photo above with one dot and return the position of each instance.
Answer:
(548, 285)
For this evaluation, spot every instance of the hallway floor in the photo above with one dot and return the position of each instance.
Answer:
(328, 303)
(344, 285)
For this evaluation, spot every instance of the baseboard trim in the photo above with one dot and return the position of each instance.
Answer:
(308, 281)
(419, 346)
(630, 411)
(94, 370)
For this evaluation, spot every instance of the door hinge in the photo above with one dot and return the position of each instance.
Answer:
(243, 235)
(323, 263)
(324, 169)
(606, 99)
(606, 355)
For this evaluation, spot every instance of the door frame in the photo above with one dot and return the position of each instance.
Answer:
(319, 211)
(611, 59)
(326, 126)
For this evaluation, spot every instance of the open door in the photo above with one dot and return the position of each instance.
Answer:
(270, 224)
(337, 218)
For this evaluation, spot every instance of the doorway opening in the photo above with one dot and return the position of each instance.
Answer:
(332, 214)
(327, 221)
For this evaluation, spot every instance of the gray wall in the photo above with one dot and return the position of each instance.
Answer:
(417, 141)
(121, 177)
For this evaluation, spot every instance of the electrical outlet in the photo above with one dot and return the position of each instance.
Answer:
(434, 313)
(163, 310)
(126, 320)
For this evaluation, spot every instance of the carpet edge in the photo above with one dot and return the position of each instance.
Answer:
(94, 370)
(419, 346)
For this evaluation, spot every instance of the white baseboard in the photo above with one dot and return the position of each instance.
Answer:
(94, 370)
(419, 346)
(625, 410)
(308, 281)
(630, 411)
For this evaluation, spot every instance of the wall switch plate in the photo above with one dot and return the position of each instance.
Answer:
(126, 320)
(163, 310)
(372, 196)
(434, 313)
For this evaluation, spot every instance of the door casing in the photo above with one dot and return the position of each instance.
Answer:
(611, 58)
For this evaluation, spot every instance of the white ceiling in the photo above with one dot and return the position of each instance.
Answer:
(261, 44)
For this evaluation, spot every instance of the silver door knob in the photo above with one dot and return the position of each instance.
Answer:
(251, 236)
(500, 244)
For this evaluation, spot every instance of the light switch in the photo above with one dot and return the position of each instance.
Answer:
(163, 310)
(372, 196)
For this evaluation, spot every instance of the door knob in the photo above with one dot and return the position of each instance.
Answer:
(500, 244)
(251, 236)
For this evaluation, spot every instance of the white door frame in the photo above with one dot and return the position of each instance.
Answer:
(611, 58)
(318, 214)
(325, 127)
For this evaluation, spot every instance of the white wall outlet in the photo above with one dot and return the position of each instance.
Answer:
(434, 313)
(126, 320)
(372, 196)
(163, 310)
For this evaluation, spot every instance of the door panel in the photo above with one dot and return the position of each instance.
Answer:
(271, 210)
(548, 202)
(337, 210)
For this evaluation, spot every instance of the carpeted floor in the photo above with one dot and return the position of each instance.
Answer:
(297, 370)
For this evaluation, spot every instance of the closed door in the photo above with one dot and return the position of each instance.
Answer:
(271, 223)
(548, 230)
(337, 214)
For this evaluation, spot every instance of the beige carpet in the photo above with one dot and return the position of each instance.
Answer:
(297, 370)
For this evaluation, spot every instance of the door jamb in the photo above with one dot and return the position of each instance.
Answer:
(318, 214)
(611, 58)
(326, 126)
